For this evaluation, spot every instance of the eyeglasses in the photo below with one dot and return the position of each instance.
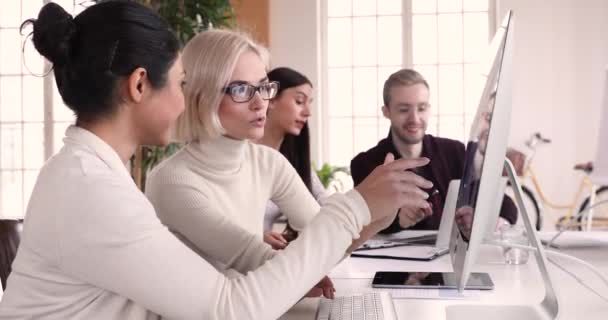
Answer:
(244, 92)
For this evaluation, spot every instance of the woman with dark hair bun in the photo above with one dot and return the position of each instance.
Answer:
(100, 47)
(92, 245)
(286, 130)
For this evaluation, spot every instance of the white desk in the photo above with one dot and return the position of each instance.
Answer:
(520, 284)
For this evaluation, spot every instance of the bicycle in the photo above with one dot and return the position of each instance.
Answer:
(577, 212)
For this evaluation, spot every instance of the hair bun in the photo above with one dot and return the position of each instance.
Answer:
(53, 33)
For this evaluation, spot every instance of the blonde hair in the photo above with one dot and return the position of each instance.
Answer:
(209, 60)
(403, 77)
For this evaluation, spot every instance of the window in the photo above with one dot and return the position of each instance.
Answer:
(367, 40)
(28, 121)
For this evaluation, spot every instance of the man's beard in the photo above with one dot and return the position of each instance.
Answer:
(407, 139)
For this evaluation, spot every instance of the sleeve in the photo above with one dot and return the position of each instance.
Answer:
(290, 194)
(126, 250)
(508, 210)
(318, 190)
(271, 214)
(458, 158)
(360, 169)
(187, 212)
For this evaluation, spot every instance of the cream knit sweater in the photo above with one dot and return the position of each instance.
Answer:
(93, 248)
(213, 196)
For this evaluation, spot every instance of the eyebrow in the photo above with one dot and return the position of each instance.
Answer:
(404, 105)
(265, 79)
(302, 93)
(412, 105)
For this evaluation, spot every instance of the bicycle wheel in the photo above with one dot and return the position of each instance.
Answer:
(600, 212)
(530, 203)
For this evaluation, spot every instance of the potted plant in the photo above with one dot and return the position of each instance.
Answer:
(327, 175)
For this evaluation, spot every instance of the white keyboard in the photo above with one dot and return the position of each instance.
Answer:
(366, 306)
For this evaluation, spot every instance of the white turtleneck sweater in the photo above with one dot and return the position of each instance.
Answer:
(273, 212)
(213, 195)
(93, 248)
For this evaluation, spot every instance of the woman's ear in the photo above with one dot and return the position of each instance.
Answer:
(137, 85)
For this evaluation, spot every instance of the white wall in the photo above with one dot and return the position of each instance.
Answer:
(295, 43)
(560, 54)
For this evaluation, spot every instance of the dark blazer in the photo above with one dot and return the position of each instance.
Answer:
(447, 163)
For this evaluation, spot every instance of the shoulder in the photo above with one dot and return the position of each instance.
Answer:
(374, 156)
(77, 162)
(85, 193)
(444, 144)
(256, 150)
(175, 170)
(444, 141)
(79, 170)
(266, 158)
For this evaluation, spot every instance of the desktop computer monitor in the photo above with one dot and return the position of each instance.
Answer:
(485, 154)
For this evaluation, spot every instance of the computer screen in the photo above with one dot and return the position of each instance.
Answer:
(485, 154)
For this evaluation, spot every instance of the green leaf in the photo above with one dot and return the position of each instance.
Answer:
(327, 173)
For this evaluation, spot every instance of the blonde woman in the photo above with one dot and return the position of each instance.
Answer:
(212, 194)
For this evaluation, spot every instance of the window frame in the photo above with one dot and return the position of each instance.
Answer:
(325, 119)
(48, 106)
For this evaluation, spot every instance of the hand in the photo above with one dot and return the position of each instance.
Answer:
(464, 220)
(409, 216)
(416, 278)
(390, 187)
(325, 287)
(275, 240)
(369, 231)
(502, 223)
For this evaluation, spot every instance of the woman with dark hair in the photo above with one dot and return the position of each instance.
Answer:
(286, 130)
(92, 245)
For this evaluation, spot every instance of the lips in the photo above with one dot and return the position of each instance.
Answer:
(258, 122)
(300, 124)
(413, 129)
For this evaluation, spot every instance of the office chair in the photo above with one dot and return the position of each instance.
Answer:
(10, 231)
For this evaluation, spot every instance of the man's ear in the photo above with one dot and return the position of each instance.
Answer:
(137, 85)
(386, 112)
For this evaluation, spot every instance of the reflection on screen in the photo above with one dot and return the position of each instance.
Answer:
(473, 162)
(413, 278)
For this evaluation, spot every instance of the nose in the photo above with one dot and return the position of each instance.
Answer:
(413, 116)
(257, 103)
(306, 110)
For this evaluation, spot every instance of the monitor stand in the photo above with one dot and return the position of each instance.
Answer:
(549, 306)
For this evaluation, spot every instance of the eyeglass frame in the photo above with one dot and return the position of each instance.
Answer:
(227, 90)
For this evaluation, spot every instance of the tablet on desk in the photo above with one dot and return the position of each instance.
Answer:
(426, 280)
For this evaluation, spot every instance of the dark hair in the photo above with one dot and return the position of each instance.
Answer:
(295, 148)
(98, 48)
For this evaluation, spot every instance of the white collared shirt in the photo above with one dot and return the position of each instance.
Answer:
(93, 248)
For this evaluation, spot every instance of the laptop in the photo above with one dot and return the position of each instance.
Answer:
(406, 245)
